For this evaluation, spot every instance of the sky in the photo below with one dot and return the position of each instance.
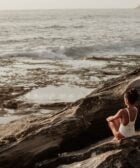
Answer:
(53, 4)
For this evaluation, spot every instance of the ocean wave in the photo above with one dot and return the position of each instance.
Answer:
(53, 53)
(78, 52)
(23, 40)
(32, 39)
(41, 54)
(54, 27)
(61, 27)
(78, 26)
(73, 52)
(102, 49)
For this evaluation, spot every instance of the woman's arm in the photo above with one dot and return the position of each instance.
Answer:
(116, 116)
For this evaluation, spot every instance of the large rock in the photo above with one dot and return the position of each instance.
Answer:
(125, 154)
(40, 141)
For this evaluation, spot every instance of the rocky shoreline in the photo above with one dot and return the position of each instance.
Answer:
(67, 136)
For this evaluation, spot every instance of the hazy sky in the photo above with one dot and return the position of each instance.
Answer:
(45, 4)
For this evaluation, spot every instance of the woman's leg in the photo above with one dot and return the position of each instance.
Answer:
(117, 124)
(114, 126)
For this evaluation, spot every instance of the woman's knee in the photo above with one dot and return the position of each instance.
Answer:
(109, 118)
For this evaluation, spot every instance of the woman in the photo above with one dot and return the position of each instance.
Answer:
(122, 124)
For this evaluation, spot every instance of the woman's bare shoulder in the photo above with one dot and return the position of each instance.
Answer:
(123, 111)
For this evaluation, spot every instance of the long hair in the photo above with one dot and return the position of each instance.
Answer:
(132, 96)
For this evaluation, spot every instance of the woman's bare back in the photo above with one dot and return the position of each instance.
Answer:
(126, 118)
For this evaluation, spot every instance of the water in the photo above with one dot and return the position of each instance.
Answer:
(69, 34)
(53, 94)
(61, 41)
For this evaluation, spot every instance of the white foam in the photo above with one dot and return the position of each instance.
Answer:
(85, 63)
(51, 94)
(37, 53)
(8, 118)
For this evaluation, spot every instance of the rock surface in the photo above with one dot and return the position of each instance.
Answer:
(109, 154)
(69, 135)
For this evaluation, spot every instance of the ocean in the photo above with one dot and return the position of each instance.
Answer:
(70, 34)
(60, 56)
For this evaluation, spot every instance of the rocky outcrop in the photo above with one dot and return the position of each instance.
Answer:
(106, 155)
(52, 141)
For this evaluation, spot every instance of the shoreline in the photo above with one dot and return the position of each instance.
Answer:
(53, 140)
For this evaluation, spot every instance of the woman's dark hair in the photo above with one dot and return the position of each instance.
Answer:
(132, 96)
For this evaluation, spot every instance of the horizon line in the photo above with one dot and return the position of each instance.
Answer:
(61, 9)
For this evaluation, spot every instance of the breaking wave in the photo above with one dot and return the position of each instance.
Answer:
(37, 54)
(73, 52)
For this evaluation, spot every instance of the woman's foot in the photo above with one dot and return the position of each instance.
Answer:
(119, 136)
(114, 139)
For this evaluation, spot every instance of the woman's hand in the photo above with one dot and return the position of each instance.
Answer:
(116, 116)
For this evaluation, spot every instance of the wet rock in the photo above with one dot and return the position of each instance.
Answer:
(56, 140)
(105, 155)
(7, 94)
(99, 58)
(11, 105)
